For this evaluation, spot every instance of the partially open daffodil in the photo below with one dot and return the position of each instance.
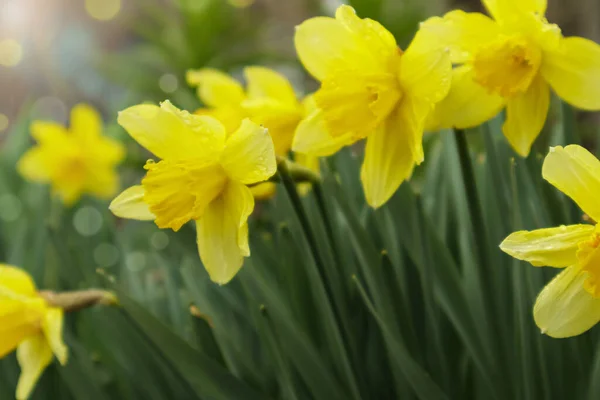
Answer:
(570, 304)
(369, 89)
(511, 61)
(268, 100)
(202, 176)
(29, 325)
(76, 161)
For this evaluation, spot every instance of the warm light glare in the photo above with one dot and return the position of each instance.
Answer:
(3, 122)
(103, 10)
(11, 52)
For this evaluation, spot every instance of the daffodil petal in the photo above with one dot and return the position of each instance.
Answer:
(553, 247)
(223, 233)
(392, 151)
(17, 280)
(266, 83)
(312, 137)
(425, 74)
(215, 88)
(85, 122)
(272, 103)
(576, 172)
(171, 133)
(506, 9)
(468, 104)
(46, 132)
(573, 71)
(249, 155)
(102, 183)
(460, 32)
(34, 355)
(33, 165)
(52, 326)
(19, 319)
(564, 308)
(525, 116)
(130, 204)
(325, 44)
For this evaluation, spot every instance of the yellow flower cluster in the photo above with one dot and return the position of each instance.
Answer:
(459, 71)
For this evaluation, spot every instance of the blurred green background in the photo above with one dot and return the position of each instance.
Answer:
(396, 303)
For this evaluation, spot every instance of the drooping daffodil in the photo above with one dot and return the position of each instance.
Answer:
(511, 61)
(30, 325)
(369, 89)
(202, 176)
(74, 161)
(268, 100)
(570, 304)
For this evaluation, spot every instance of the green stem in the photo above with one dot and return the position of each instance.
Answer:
(330, 306)
(480, 241)
(473, 202)
(324, 212)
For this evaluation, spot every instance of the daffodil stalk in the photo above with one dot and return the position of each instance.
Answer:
(331, 307)
(79, 299)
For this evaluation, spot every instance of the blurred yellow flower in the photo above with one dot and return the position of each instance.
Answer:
(76, 161)
(269, 100)
(29, 325)
(202, 176)
(570, 304)
(512, 61)
(369, 89)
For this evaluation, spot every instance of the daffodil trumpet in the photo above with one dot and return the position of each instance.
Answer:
(570, 304)
(511, 61)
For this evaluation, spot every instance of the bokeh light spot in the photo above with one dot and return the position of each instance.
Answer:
(106, 255)
(135, 261)
(159, 240)
(3, 122)
(10, 207)
(168, 83)
(87, 221)
(103, 10)
(11, 52)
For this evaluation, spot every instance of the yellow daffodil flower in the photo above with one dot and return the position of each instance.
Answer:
(202, 176)
(511, 61)
(369, 89)
(269, 100)
(29, 325)
(570, 304)
(76, 161)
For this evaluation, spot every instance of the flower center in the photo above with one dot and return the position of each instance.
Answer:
(589, 261)
(179, 191)
(358, 103)
(507, 66)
